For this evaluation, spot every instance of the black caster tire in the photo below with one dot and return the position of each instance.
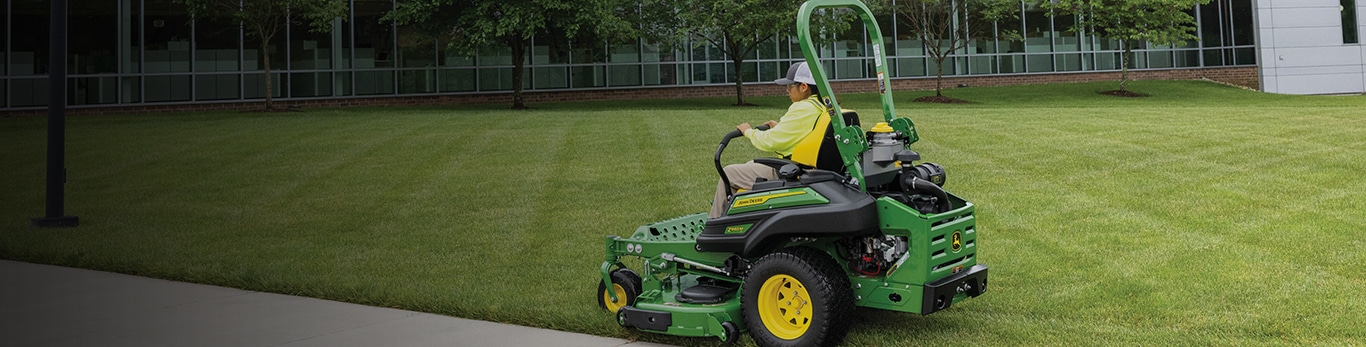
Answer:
(626, 284)
(732, 333)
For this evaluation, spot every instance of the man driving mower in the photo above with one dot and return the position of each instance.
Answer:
(803, 125)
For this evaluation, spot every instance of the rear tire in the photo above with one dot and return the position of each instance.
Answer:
(797, 297)
(626, 284)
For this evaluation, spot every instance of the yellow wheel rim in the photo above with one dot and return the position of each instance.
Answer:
(785, 307)
(614, 305)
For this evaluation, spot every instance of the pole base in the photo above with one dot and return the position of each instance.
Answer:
(56, 222)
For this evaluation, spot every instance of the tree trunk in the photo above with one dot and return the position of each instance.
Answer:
(739, 83)
(939, 78)
(518, 66)
(265, 63)
(1124, 66)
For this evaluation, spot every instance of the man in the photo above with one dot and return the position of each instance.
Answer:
(782, 137)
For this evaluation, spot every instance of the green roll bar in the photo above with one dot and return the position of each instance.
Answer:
(850, 139)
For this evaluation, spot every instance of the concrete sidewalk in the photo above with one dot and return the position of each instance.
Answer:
(43, 305)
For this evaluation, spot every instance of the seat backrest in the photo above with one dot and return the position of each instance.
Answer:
(818, 148)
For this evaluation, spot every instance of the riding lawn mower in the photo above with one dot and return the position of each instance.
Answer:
(791, 258)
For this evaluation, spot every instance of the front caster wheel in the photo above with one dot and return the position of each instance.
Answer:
(730, 333)
(626, 286)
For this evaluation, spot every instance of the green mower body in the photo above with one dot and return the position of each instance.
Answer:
(793, 256)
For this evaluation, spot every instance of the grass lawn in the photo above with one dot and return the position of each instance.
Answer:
(1202, 215)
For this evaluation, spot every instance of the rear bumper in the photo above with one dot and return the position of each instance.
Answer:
(942, 293)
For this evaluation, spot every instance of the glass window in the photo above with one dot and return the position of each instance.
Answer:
(625, 75)
(1187, 58)
(1160, 59)
(417, 81)
(625, 52)
(1068, 61)
(582, 77)
(1243, 34)
(769, 71)
(167, 27)
(92, 37)
(549, 77)
(982, 64)
(132, 89)
(655, 52)
(92, 90)
(1244, 56)
(252, 54)
(1214, 57)
(373, 82)
(1011, 64)
(342, 83)
(1107, 61)
(310, 84)
(1040, 62)
(584, 51)
(254, 86)
(1211, 23)
(4, 42)
(130, 39)
(910, 67)
(374, 40)
(1349, 21)
(451, 57)
(28, 52)
(309, 50)
(907, 40)
(660, 74)
(167, 88)
(457, 80)
(768, 49)
(1068, 40)
(495, 79)
(1038, 32)
(549, 51)
(28, 92)
(414, 51)
(216, 48)
(218, 87)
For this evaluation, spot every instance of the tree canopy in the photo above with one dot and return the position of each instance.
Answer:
(266, 18)
(1160, 22)
(470, 25)
(736, 27)
(946, 26)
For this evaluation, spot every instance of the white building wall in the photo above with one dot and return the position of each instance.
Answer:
(1300, 49)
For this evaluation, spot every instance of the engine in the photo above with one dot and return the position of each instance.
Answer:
(890, 170)
(873, 255)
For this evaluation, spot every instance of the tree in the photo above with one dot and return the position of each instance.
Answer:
(469, 25)
(736, 27)
(266, 18)
(944, 26)
(1160, 22)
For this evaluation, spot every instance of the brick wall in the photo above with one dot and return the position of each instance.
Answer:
(1241, 76)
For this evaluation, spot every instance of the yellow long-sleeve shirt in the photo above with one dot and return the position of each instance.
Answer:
(782, 139)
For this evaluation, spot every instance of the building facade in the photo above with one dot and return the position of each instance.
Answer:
(125, 53)
(1311, 46)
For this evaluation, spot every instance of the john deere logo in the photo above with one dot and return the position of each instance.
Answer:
(957, 241)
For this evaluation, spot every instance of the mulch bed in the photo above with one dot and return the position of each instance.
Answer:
(1124, 93)
(941, 100)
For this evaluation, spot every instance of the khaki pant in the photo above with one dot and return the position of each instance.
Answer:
(742, 176)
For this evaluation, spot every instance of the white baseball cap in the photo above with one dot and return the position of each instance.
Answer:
(797, 73)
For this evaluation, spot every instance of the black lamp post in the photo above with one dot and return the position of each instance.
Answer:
(56, 124)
